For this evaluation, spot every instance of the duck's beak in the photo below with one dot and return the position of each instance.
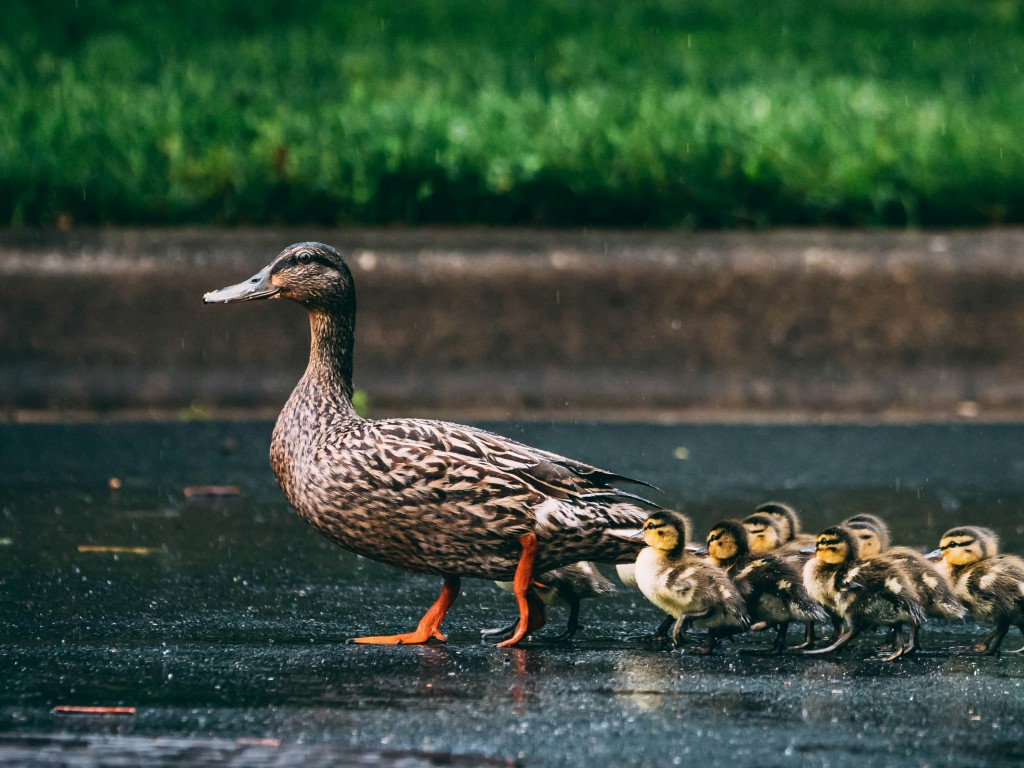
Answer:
(695, 549)
(934, 555)
(256, 287)
(634, 534)
(810, 549)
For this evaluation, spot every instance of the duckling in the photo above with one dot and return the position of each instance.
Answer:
(767, 533)
(772, 588)
(862, 592)
(427, 496)
(569, 585)
(691, 589)
(931, 583)
(789, 522)
(990, 584)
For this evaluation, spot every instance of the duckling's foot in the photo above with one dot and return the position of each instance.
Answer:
(809, 638)
(521, 588)
(683, 624)
(429, 626)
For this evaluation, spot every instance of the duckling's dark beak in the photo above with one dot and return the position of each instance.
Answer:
(256, 287)
(810, 549)
(693, 549)
(935, 554)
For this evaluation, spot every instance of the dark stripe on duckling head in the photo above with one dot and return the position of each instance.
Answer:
(835, 537)
(727, 529)
(873, 522)
(966, 535)
(781, 510)
(667, 518)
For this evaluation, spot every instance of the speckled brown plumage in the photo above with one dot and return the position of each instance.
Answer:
(426, 496)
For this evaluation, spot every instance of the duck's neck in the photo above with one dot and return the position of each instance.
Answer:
(329, 371)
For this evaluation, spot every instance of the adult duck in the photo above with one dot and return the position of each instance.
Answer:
(426, 496)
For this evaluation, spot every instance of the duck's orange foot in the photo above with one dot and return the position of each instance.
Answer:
(429, 626)
(521, 588)
(409, 638)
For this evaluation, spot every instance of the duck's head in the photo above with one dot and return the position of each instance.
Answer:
(312, 274)
(872, 531)
(727, 540)
(785, 515)
(763, 532)
(666, 531)
(968, 544)
(836, 545)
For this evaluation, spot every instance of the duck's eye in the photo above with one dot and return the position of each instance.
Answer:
(305, 258)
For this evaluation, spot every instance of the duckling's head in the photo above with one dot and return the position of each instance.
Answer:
(312, 274)
(784, 514)
(836, 545)
(968, 544)
(666, 531)
(866, 521)
(869, 540)
(727, 540)
(763, 532)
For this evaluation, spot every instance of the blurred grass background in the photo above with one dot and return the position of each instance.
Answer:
(708, 113)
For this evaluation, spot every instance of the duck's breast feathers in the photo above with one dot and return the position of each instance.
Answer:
(545, 472)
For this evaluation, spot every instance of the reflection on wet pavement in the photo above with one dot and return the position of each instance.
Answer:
(222, 619)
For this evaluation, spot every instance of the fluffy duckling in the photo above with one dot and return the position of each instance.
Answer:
(862, 592)
(694, 591)
(567, 585)
(767, 533)
(789, 522)
(772, 588)
(932, 584)
(990, 584)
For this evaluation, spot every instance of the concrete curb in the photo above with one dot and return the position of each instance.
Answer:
(526, 322)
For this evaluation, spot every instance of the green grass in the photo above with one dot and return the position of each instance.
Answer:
(712, 113)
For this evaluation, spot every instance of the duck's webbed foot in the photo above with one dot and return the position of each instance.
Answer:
(532, 613)
(809, 638)
(429, 626)
(990, 645)
(777, 647)
(572, 625)
(839, 643)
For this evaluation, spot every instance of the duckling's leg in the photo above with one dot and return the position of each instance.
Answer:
(521, 588)
(990, 645)
(809, 637)
(538, 618)
(573, 624)
(429, 626)
(840, 641)
(683, 624)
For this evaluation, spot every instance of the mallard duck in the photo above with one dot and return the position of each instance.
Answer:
(693, 590)
(991, 585)
(862, 592)
(772, 588)
(931, 583)
(568, 585)
(426, 496)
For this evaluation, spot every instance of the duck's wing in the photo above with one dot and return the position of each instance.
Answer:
(548, 473)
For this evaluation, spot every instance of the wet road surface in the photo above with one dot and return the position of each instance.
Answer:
(222, 621)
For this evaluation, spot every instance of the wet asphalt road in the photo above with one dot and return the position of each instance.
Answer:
(224, 622)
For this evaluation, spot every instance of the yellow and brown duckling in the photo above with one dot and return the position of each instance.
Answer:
(990, 585)
(769, 533)
(772, 588)
(789, 523)
(691, 589)
(567, 585)
(932, 584)
(862, 592)
(427, 496)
